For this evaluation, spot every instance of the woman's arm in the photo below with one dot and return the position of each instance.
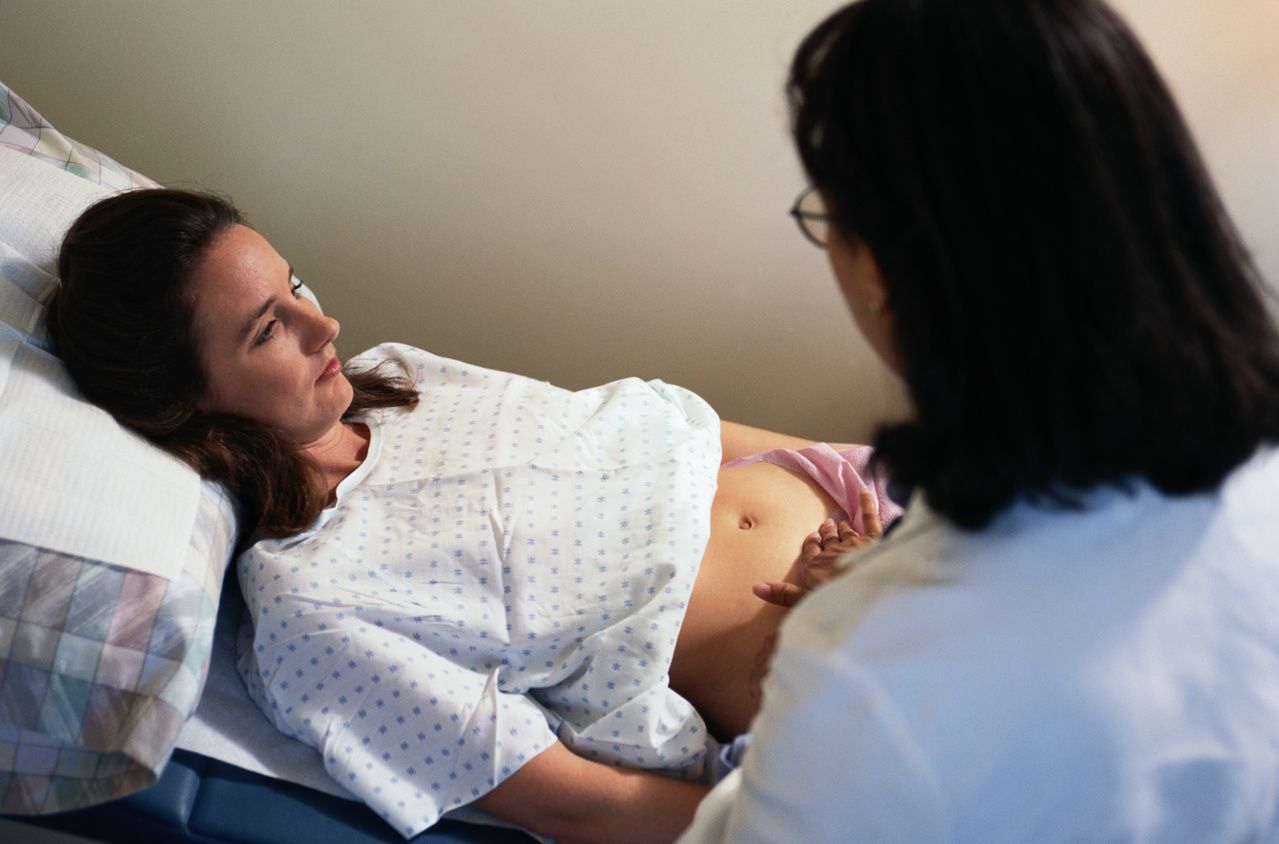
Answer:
(742, 440)
(571, 799)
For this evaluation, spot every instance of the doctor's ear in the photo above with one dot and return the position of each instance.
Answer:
(878, 305)
(865, 290)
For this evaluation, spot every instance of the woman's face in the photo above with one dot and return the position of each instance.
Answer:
(267, 353)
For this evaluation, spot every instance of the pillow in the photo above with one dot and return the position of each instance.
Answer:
(23, 129)
(112, 552)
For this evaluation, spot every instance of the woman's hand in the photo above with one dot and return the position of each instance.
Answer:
(822, 555)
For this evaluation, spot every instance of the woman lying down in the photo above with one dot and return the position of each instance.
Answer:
(467, 586)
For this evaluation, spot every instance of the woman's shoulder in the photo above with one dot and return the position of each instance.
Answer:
(405, 354)
(428, 367)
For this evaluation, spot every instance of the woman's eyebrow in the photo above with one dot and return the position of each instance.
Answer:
(253, 320)
(260, 312)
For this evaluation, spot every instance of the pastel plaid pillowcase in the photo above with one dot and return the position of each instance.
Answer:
(100, 664)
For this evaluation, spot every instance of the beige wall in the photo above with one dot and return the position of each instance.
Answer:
(574, 189)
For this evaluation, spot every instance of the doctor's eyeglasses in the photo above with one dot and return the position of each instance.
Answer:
(811, 216)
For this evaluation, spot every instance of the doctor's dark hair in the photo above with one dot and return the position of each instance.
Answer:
(121, 320)
(1072, 306)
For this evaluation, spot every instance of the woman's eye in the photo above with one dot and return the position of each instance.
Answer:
(296, 289)
(266, 334)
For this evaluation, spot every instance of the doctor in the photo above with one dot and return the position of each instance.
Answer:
(1072, 634)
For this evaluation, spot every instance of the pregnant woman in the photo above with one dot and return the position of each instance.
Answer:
(466, 586)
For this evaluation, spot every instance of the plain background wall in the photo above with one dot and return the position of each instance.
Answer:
(578, 190)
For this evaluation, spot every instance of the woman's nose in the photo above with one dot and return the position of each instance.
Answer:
(322, 331)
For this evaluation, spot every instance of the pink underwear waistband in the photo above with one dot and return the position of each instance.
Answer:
(842, 474)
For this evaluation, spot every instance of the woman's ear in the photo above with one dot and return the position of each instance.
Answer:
(877, 300)
(866, 292)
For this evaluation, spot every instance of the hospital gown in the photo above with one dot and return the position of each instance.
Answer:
(509, 565)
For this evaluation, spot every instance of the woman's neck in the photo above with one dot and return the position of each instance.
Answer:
(338, 454)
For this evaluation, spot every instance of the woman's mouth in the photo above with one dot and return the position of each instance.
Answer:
(330, 370)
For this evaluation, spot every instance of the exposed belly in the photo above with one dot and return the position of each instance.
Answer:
(760, 515)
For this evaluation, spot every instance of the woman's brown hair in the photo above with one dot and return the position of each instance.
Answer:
(121, 320)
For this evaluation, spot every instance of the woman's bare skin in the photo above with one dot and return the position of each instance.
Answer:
(760, 516)
(824, 554)
(761, 513)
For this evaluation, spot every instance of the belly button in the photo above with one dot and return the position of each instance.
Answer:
(746, 523)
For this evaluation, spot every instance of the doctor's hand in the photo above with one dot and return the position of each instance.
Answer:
(823, 554)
